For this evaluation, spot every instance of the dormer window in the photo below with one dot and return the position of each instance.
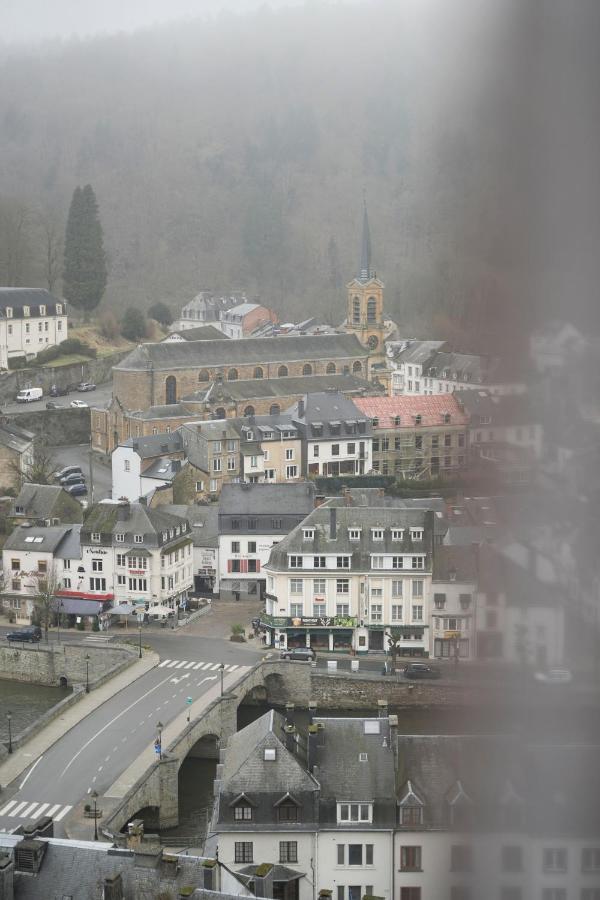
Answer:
(42, 310)
(354, 534)
(26, 311)
(59, 309)
(418, 419)
(119, 538)
(416, 534)
(270, 754)
(375, 422)
(460, 805)
(9, 312)
(96, 537)
(138, 538)
(447, 418)
(308, 534)
(439, 600)
(288, 809)
(377, 534)
(397, 534)
(354, 812)
(242, 811)
(397, 420)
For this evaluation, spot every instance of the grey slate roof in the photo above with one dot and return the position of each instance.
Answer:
(166, 411)
(70, 547)
(186, 354)
(155, 444)
(51, 537)
(261, 388)
(267, 499)
(511, 409)
(203, 520)
(201, 333)
(327, 407)
(462, 561)
(17, 298)
(342, 774)
(38, 500)
(418, 352)
(108, 519)
(355, 517)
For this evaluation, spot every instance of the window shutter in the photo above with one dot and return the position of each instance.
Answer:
(258, 565)
(229, 566)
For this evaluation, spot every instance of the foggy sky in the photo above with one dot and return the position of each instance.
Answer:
(33, 20)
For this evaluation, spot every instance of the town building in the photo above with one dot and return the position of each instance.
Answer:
(336, 437)
(252, 519)
(353, 578)
(212, 453)
(200, 333)
(206, 309)
(204, 524)
(29, 568)
(137, 556)
(45, 504)
(142, 465)
(16, 454)
(365, 317)
(243, 320)
(416, 437)
(407, 359)
(271, 448)
(31, 319)
(454, 609)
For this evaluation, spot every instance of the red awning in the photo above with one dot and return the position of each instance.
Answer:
(84, 595)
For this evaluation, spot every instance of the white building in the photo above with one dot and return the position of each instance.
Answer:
(28, 563)
(353, 577)
(31, 319)
(336, 435)
(453, 613)
(141, 465)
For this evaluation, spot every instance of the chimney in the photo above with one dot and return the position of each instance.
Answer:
(29, 856)
(382, 706)
(393, 723)
(312, 709)
(301, 408)
(45, 827)
(123, 511)
(289, 713)
(7, 877)
(113, 887)
(332, 523)
(319, 500)
(291, 738)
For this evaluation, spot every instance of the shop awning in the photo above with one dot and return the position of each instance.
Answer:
(72, 606)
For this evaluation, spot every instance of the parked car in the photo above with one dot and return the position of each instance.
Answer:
(303, 653)
(56, 391)
(30, 634)
(28, 395)
(51, 405)
(554, 676)
(67, 470)
(76, 490)
(79, 404)
(421, 670)
(86, 386)
(73, 478)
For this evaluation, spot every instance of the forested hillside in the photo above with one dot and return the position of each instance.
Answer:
(235, 154)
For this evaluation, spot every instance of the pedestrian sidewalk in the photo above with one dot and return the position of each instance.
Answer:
(15, 764)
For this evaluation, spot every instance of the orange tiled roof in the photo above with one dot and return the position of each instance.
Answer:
(431, 409)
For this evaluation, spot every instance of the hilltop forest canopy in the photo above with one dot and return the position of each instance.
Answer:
(234, 155)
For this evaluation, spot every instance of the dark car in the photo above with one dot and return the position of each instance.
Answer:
(303, 653)
(76, 490)
(73, 478)
(421, 670)
(31, 634)
(56, 391)
(86, 386)
(51, 405)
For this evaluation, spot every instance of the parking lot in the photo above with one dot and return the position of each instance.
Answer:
(79, 455)
(99, 398)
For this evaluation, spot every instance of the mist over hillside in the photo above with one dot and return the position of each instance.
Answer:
(233, 154)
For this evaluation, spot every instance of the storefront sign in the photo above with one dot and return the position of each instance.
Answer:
(309, 621)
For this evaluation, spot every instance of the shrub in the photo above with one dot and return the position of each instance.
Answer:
(109, 325)
(95, 625)
(133, 324)
(237, 629)
(69, 346)
(161, 312)
(81, 625)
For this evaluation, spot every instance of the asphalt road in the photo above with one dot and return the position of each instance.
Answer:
(94, 753)
(99, 398)
(79, 455)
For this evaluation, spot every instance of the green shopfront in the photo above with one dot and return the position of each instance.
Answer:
(322, 633)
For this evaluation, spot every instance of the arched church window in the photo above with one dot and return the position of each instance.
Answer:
(204, 375)
(249, 411)
(220, 413)
(171, 389)
(356, 311)
(275, 409)
(282, 371)
(258, 372)
(307, 369)
(357, 367)
(371, 310)
(232, 375)
(330, 370)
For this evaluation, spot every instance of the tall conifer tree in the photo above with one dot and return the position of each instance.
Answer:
(84, 272)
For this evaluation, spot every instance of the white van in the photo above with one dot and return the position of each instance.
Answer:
(29, 394)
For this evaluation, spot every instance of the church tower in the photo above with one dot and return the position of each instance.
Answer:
(365, 300)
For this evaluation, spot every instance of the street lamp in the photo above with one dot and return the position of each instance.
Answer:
(159, 728)
(58, 619)
(9, 717)
(87, 673)
(222, 670)
(189, 702)
(94, 797)
(140, 619)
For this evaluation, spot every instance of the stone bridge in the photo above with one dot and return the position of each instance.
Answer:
(156, 791)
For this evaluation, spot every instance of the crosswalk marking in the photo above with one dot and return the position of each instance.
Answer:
(233, 668)
(62, 813)
(54, 809)
(215, 666)
(27, 813)
(163, 663)
(18, 808)
(206, 666)
(190, 664)
(182, 663)
(195, 666)
(5, 810)
(41, 809)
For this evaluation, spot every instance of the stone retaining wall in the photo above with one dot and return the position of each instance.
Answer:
(47, 664)
(56, 427)
(97, 370)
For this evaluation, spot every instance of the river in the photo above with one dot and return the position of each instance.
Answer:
(26, 703)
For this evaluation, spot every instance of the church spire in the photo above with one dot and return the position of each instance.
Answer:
(365, 254)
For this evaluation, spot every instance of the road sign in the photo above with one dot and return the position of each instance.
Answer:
(189, 701)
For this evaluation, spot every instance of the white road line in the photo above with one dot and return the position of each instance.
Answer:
(174, 695)
(233, 668)
(100, 768)
(197, 665)
(206, 666)
(62, 813)
(57, 807)
(18, 808)
(163, 663)
(6, 809)
(181, 664)
(172, 663)
(30, 771)
(106, 758)
(215, 666)
(41, 809)
(191, 665)
(27, 812)
(94, 778)
(112, 721)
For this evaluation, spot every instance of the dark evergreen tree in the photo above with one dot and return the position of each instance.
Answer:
(133, 324)
(84, 272)
(161, 312)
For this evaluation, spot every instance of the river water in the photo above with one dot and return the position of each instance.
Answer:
(26, 703)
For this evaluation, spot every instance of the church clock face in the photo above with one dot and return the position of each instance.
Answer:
(373, 342)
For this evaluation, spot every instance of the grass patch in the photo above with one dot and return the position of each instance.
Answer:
(66, 360)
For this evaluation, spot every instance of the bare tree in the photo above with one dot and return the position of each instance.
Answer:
(15, 241)
(52, 238)
(39, 471)
(46, 583)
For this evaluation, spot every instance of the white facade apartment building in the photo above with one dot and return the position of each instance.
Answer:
(31, 319)
(353, 578)
(453, 613)
(28, 563)
(336, 435)
(142, 556)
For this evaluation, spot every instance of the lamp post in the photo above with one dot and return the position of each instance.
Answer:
(87, 673)
(94, 797)
(159, 728)
(222, 670)
(58, 619)
(9, 717)
(140, 619)
(189, 702)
